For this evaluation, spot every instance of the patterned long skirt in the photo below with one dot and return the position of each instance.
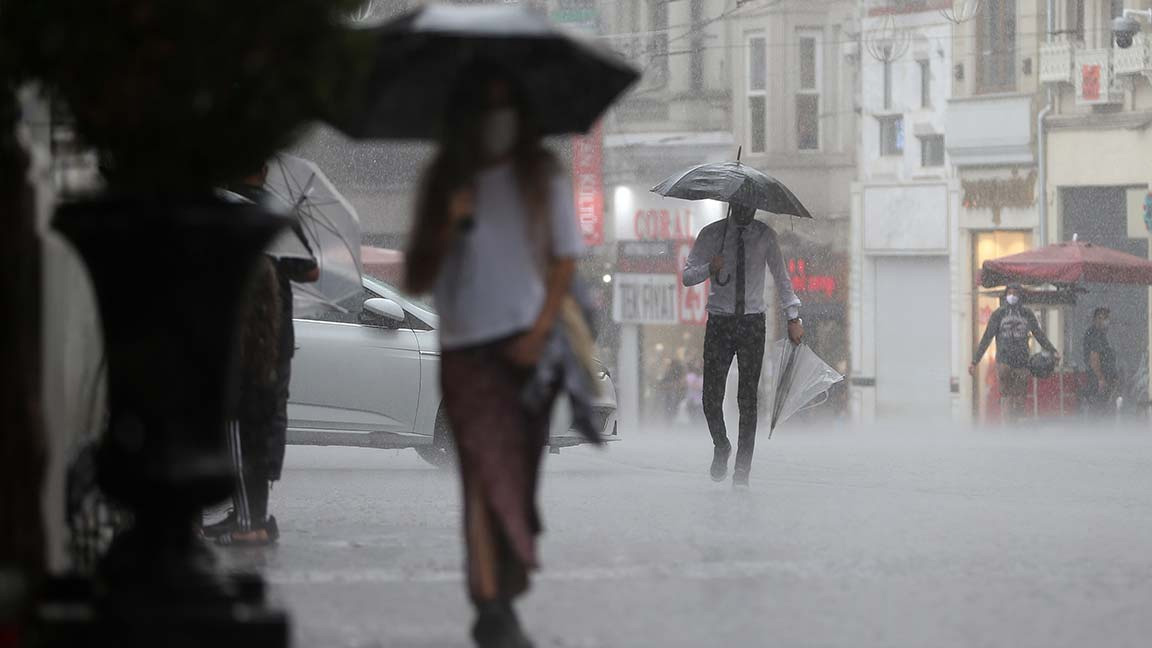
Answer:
(500, 449)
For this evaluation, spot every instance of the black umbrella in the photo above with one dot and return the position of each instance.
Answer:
(734, 183)
(419, 57)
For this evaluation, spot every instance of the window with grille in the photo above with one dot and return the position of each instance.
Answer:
(891, 135)
(757, 94)
(808, 100)
(997, 46)
(932, 151)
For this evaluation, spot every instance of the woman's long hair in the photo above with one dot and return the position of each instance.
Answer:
(460, 158)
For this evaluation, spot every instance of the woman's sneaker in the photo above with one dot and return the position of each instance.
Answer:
(221, 528)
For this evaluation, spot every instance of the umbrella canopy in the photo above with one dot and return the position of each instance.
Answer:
(735, 183)
(566, 82)
(1067, 263)
(799, 376)
(332, 228)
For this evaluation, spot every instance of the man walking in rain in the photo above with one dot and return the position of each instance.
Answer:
(734, 253)
(260, 444)
(1010, 325)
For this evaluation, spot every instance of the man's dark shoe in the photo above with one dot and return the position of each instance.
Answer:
(720, 456)
(739, 478)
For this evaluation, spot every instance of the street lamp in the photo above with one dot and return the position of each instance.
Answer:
(888, 42)
(961, 11)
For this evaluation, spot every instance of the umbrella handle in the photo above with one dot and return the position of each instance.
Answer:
(723, 282)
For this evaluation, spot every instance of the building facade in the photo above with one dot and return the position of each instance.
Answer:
(904, 218)
(794, 87)
(993, 143)
(677, 116)
(1098, 159)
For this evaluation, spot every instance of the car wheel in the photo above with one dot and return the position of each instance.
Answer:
(442, 452)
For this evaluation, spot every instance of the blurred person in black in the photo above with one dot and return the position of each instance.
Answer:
(251, 432)
(1100, 359)
(262, 453)
(1010, 325)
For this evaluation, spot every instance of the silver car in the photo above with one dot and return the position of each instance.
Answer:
(371, 379)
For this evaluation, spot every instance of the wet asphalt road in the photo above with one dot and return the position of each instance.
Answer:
(945, 538)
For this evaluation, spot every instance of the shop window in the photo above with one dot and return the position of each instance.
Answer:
(808, 91)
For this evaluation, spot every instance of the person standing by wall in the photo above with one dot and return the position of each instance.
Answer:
(261, 457)
(736, 324)
(260, 331)
(1100, 359)
(496, 240)
(1011, 325)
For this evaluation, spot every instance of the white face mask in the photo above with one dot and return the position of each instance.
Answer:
(1012, 300)
(501, 130)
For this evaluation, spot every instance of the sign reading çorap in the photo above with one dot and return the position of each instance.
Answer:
(642, 298)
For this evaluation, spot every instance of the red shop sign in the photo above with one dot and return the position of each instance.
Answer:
(588, 184)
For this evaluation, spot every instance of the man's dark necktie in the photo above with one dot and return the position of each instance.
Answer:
(740, 271)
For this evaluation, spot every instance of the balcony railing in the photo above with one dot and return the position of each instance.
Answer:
(1056, 62)
(1133, 60)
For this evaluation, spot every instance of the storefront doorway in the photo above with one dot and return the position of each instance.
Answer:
(985, 246)
(913, 336)
(1099, 215)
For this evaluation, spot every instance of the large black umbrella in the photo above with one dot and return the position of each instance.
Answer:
(734, 183)
(419, 57)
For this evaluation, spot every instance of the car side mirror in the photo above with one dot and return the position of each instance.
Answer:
(385, 309)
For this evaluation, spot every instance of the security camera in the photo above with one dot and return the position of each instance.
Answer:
(1124, 29)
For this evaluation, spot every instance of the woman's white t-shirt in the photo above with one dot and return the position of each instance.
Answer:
(490, 285)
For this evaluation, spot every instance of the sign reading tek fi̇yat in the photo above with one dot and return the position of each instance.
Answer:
(643, 298)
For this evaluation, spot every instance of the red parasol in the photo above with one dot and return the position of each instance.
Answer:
(1071, 262)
